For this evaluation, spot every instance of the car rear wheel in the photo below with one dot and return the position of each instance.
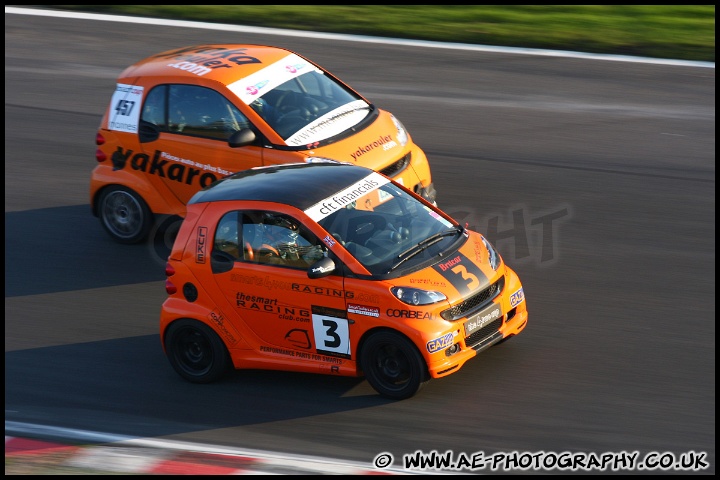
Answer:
(124, 215)
(196, 352)
(393, 366)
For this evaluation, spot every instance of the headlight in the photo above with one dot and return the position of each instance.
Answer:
(402, 135)
(494, 255)
(415, 296)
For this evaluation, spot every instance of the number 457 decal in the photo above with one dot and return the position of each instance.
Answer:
(125, 108)
(332, 335)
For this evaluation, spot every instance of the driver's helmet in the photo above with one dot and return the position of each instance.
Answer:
(278, 220)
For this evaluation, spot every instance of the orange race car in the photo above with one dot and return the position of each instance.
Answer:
(181, 119)
(333, 268)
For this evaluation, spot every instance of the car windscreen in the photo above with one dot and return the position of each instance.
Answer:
(391, 232)
(310, 108)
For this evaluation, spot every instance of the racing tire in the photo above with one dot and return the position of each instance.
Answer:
(124, 215)
(393, 366)
(196, 352)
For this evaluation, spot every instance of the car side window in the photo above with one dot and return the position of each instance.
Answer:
(277, 239)
(202, 112)
(154, 108)
(268, 238)
(226, 235)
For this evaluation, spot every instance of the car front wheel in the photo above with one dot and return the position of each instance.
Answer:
(393, 366)
(196, 352)
(124, 215)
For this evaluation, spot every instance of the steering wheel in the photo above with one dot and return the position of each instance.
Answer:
(249, 253)
(265, 251)
(291, 103)
(282, 99)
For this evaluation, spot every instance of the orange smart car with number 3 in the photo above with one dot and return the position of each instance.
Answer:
(331, 268)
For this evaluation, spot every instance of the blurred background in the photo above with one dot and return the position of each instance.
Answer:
(683, 32)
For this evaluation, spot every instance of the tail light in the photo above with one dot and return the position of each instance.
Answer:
(170, 287)
(99, 154)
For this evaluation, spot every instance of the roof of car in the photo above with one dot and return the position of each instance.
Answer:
(300, 185)
(225, 63)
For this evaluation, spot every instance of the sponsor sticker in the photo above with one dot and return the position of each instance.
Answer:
(363, 310)
(125, 108)
(482, 318)
(201, 245)
(439, 343)
(330, 124)
(346, 197)
(249, 88)
(329, 241)
(517, 298)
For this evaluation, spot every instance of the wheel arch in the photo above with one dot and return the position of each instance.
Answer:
(372, 331)
(196, 351)
(167, 323)
(103, 178)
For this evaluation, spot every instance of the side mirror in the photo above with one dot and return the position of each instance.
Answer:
(322, 268)
(241, 138)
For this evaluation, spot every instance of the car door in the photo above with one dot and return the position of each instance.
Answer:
(184, 131)
(268, 289)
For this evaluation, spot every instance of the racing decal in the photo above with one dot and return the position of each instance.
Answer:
(363, 310)
(346, 197)
(250, 88)
(440, 343)
(329, 292)
(428, 282)
(218, 319)
(384, 140)
(484, 317)
(384, 196)
(168, 166)
(332, 332)
(280, 351)
(402, 313)
(439, 217)
(517, 298)
(271, 305)
(330, 124)
(304, 356)
(363, 297)
(274, 284)
(464, 275)
(266, 281)
(298, 338)
(329, 241)
(321, 269)
(201, 60)
(125, 108)
(201, 245)
(481, 253)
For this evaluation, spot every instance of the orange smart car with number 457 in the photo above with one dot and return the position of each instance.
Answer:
(332, 268)
(179, 120)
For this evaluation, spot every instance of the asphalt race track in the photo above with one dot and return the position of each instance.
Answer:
(596, 179)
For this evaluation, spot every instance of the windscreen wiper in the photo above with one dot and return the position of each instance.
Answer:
(421, 246)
